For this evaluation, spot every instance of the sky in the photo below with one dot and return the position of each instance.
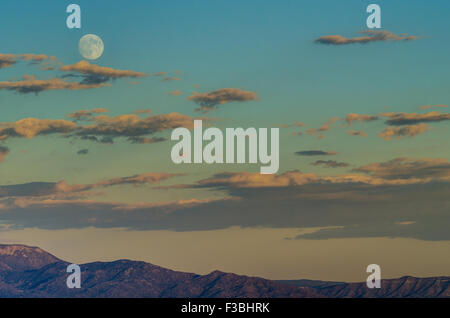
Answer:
(85, 167)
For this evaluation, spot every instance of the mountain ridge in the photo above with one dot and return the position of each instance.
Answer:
(32, 272)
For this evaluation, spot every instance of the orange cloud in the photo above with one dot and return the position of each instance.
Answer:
(432, 106)
(7, 60)
(175, 93)
(352, 117)
(29, 84)
(87, 68)
(425, 169)
(399, 132)
(31, 127)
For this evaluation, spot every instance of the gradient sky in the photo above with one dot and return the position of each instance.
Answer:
(364, 191)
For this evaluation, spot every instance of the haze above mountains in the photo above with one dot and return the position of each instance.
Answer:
(31, 272)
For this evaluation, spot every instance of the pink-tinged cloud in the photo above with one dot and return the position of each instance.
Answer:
(369, 36)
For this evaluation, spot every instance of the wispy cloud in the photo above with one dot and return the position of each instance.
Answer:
(369, 36)
(175, 93)
(211, 100)
(86, 114)
(30, 84)
(423, 107)
(398, 119)
(330, 164)
(83, 152)
(7, 60)
(357, 133)
(315, 153)
(352, 117)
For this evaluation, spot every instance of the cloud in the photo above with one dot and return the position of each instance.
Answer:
(352, 117)
(139, 179)
(325, 127)
(143, 140)
(7, 60)
(133, 126)
(330, 164)
(295, 178)
(399, 119)
(103, 128)
(296, 124)
(315, 153)
(432, 106)
(211, 100)
(4, 151)
(171, 79)
(357, 133)
(86, 114)
(425, 169)
(160, 74)
(400, 132)
(354, 205)
(32, 127)
(63, 190)
(83, 152)
(29, 84)
(94, 74)
(175, 93)
(369, 36)
(143, 111)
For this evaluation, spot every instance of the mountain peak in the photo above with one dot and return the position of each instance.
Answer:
(23, 257)
(13, 249)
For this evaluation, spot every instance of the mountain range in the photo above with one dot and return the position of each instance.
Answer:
(32, 272)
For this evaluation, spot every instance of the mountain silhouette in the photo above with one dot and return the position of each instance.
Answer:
(31, 272)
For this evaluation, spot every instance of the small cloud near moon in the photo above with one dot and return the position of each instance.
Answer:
(91, 46)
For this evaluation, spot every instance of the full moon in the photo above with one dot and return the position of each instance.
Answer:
(91, 46)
